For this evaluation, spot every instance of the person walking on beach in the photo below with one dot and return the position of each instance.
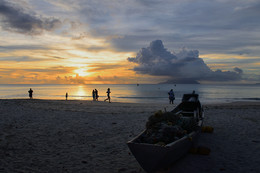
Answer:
(30, 93)
(66, 95)
(96, 93)
(171, 96)
(108, 95)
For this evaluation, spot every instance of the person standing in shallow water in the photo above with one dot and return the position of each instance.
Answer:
(171, 96)
(96, 93)
(66, 95)
(30, 93)
(108, 95)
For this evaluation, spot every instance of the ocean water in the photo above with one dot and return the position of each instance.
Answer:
(144, 93)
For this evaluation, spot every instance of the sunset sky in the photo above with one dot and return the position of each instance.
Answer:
(129, 41)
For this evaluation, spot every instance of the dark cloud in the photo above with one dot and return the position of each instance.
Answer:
(23, 47)
(49, 70)
(232, 61)
(182, 66)
(80, 36)
(21, 59)
(210, 26)
(29, 59)
(238, 70)
(57, 57)
(71, 80)
(90, 48)
(103, 66)
(226, 27)
(153, 54)
(16, 19)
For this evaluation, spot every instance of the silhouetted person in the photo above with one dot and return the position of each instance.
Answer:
(171, 96)
(96, 93)
(193, 98)
(108, 95)
(66, 95)
(30, 93)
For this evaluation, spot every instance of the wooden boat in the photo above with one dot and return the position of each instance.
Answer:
(154, 157)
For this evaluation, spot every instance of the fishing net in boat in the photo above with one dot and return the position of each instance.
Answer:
(164, 128)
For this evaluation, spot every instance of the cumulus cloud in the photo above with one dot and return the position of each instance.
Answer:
(238, 70)
(184, 66)
(16, 19)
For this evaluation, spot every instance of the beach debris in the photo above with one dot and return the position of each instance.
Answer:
(207, 129)
(163, 128)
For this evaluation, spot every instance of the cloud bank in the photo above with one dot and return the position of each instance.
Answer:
(182, 67)
(17, 20)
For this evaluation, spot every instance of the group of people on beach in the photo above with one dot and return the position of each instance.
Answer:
(94, 95)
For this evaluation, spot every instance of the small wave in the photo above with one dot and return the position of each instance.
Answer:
(250, 98)
(245, 98)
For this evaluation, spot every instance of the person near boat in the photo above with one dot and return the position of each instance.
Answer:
(171, 96)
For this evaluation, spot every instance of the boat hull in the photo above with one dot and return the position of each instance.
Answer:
(155, 157)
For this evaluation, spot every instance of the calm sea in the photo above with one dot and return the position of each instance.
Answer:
(144, 93)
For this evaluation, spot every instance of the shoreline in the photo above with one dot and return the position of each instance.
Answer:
(176, 102)
(85, 136)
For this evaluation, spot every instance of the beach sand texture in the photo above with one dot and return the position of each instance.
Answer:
(85, 136)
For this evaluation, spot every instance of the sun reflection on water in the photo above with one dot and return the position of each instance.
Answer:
(80, 92)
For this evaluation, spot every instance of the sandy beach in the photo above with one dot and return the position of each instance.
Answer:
(85, 136)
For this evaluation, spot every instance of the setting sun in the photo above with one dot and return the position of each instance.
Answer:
(81, 72)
